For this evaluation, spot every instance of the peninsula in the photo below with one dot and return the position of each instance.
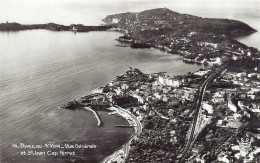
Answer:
(52, 26)
(196, 39)
(211, 115)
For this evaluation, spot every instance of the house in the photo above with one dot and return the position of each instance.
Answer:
(118, 91)
(110, 96)
(146, 106)
(252, 75)
(207, 107)
(241, 74)
(198, 148)
(252, 96)
(201, 73)
(175, 82)
(243, 96)
(231, 106)
(255, 89)
(152, 113)
(124, 86)
(98, 90)
(161, 79)
(256, 107)
(166, 89)
(113, 83)
(173, 103)
(237, 116)
(139, 97)
(218, 99)
(157, 95)
(144, 86)
(149, 98)
(232, 123)
(165, 98)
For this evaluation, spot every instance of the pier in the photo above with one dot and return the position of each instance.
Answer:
(95, 114)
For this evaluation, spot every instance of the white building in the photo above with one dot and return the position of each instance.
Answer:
(207, 107)
(98, 90)
(167, 80)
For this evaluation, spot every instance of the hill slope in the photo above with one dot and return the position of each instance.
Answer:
(191, 36)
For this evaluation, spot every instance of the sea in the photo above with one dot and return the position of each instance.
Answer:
(41, 70)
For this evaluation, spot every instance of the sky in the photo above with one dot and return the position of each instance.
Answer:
(91, 12)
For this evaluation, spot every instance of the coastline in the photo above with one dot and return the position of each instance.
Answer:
(121, 151)
(121, 154)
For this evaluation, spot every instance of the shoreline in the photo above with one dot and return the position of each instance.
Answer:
(121, 154)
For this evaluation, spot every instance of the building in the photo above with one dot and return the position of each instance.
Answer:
(231, 106)
(124, 86)
(157, 95)
(98, 90)
(198, 148)
(207, 107)
(218, 99)
(168, 81)
(201, 73)
(110, 96)
(165, 98)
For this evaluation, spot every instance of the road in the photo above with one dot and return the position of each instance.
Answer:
(121, 154)
(195, 123)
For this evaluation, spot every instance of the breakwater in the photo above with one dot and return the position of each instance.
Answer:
(95, 114)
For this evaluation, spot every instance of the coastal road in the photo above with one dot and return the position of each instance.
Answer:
(138, 130)
(197, 107)
(121, 154)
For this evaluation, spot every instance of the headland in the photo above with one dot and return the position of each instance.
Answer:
(212, 107)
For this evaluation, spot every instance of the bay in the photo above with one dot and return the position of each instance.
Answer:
(42, 70)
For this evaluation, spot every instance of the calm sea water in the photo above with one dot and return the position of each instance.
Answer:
(252, 40)
(42, 70)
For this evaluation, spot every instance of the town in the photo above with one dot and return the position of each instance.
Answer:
(210, 115)
(197, 40)
(226, 123)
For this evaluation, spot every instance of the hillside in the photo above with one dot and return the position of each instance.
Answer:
(163, 18)
(51, 26)
(184, 34)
